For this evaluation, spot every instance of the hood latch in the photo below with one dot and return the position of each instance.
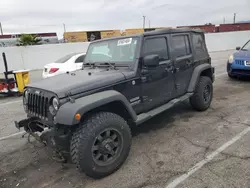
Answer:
(72, 100)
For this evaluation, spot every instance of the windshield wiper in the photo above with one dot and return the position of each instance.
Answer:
(112, 65)
(91, 64)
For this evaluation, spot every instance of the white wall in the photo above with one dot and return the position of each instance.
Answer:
(227, 40)
(35, 57)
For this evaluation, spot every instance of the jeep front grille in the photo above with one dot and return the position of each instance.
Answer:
(38, 105)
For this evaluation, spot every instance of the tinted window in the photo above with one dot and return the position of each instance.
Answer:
(156, 46)
(181, 45)
(199, 45)
(80, 59)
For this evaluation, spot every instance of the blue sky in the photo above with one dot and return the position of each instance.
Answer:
(49, 15)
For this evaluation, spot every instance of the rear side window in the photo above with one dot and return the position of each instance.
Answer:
(199, 44)
(181, 45)
(156, 46)
(80, 59)
(65, 58)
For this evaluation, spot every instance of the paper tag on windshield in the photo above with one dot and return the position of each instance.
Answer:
(123, 42)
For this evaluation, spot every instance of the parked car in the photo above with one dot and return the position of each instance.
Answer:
(87, 116)
(70, 62)
(238, 63)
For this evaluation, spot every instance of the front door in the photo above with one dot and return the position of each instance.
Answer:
(183, 62)
(157, 82)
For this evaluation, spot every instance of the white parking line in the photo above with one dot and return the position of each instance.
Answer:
(12, 135)
(11, 102)
(210, 157)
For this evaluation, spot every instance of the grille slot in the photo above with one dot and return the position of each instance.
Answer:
(239, 62)
(38, 105)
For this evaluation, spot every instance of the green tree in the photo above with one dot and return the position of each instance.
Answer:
(28, 39)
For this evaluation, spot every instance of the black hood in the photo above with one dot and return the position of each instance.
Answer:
(242, 54)
(79, 81)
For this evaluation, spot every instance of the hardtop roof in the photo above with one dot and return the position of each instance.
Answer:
(172, 30)
(155, 32)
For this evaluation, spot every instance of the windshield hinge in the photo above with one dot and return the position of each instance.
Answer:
(72, 100)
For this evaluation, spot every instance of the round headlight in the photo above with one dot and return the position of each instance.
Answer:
(55, 103)
(231, 59)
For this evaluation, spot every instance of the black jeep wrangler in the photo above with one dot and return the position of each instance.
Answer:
(86, 115)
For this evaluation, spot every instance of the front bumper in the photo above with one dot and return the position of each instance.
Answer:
(30, 125)
(238, 70)
(56, 138)
(20, 124)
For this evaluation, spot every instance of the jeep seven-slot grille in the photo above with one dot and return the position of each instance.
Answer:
(38, 105)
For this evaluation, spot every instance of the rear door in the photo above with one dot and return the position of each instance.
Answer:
(183, 61)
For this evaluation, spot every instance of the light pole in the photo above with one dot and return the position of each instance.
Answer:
(234, 17)
(144, 17)
(64, 28)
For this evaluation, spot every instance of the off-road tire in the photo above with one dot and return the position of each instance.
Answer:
(84, 137)
(197, 100)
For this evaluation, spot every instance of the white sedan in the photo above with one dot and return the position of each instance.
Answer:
(68, 63)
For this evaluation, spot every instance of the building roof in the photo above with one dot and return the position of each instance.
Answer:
(38, 34)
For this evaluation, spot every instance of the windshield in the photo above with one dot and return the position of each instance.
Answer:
(65, 58)
(246, 46)
(112, 51)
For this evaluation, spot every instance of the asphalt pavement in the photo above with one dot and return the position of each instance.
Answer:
(179, 148)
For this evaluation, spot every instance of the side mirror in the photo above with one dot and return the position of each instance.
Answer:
(238, 48)
(151, 60)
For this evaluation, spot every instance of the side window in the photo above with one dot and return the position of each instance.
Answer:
(80, 59)
(199, 45)
(181, 45)
(157, 46)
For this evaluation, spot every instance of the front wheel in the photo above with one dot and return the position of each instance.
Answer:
(203, 94)
(101, 144)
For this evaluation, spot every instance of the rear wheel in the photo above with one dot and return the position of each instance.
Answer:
(203, 94)
(101, 144)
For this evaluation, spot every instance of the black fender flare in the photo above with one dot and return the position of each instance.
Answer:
(196, 74)
(66, 113)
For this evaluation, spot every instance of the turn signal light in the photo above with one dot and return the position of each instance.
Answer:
(78, 117)
(53, 70)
